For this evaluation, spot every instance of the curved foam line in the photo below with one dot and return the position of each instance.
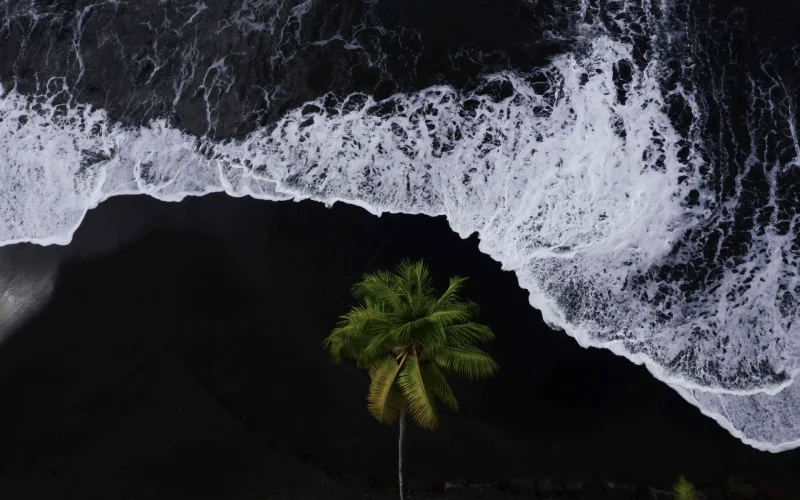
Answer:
(728, 426)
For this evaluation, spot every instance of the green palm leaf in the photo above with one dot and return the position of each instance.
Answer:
(377, 348)
(467, 361)
(415, 278)
(434, 379)
(354, 331)
(384, 399)
(418, 397)
(468, 334)
(450, 296)
(405, 330)
(378, 287)
(450, 315)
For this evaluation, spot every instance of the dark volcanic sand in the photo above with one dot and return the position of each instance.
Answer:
(180, 357)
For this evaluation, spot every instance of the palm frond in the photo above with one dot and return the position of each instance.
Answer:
(451, 314)
(468, 334)
(423, 329)
(364, 314)
(340, 344)
(415, 277)
(404, 329)
(381, 345)
(450, 296)
(355, 330)
(384, 399)
(467, 361)
(428, 324)
(434, 379)
(378, 287)
(418, 397)
(684, 490)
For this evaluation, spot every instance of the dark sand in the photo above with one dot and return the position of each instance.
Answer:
(180, 357)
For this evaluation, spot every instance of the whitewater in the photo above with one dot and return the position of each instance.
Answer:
(637, 221)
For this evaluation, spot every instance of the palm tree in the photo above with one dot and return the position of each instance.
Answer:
(409, 338)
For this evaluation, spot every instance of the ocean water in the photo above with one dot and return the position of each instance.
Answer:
(635, 163)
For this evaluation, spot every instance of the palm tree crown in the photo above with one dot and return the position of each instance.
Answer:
(410, 338)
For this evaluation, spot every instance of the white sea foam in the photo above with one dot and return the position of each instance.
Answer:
(58, 162)
(580, 195)
(764, 421)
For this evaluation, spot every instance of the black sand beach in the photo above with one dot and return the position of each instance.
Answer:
(180, 356)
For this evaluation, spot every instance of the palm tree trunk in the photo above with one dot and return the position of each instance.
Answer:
(400, 452)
